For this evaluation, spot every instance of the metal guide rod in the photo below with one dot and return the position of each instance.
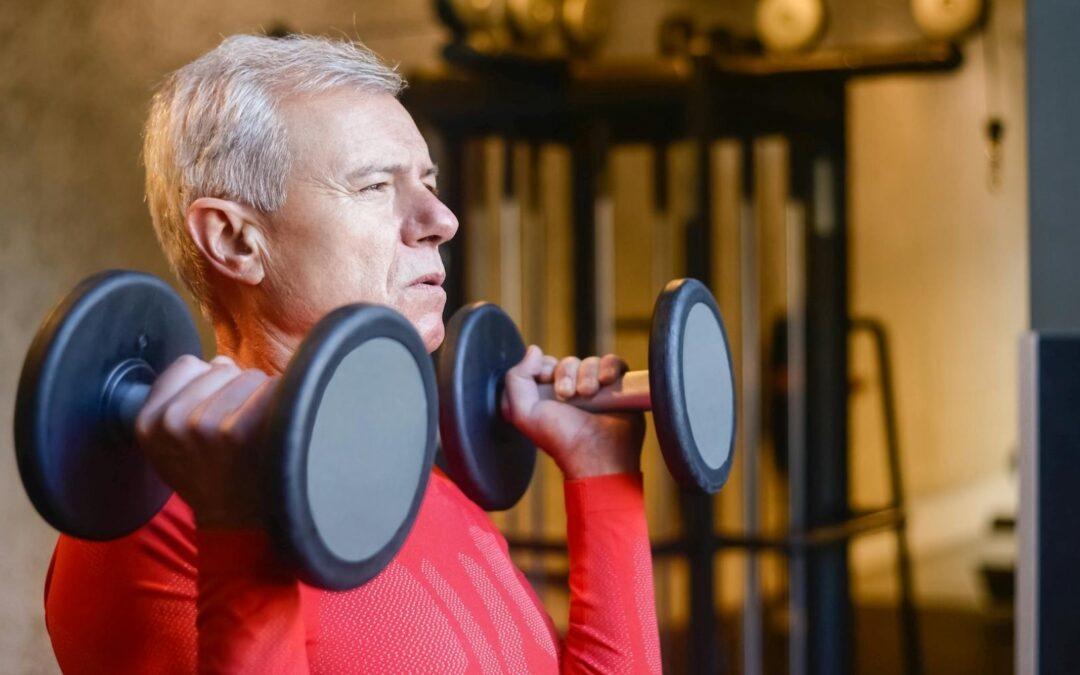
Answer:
(826, 480)
(535, 224)
(605, 265)
(663, 269)
(795, 244)
(750, 322)
(510, 226)
(704, 651)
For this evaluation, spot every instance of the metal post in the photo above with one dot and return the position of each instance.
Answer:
(588, 166)
(750, 322)
(697, 509)
(795, 243)
(828, 600)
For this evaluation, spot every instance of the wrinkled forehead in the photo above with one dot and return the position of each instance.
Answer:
(338, 130)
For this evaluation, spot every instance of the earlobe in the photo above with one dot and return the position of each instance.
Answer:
(228, 236)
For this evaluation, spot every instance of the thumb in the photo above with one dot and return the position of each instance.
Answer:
(521, 392)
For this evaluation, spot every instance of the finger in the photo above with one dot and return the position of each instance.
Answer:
(565, 376)
(530, 365)
(206, 418)
(588, 376)
(241, 426)
(611, 369)
(176, 416)
(165, 387)
(547, 372)
(521, 392)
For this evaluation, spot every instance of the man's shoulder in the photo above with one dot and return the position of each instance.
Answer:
(164, 545)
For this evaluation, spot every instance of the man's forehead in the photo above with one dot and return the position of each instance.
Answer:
(354, 127)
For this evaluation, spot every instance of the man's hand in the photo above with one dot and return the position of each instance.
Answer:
(197, 427)
(582, 443)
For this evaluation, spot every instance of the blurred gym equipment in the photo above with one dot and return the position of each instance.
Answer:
(947, 19)
(483, 107)
(790, 25)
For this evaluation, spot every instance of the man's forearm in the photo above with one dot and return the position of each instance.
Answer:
(612, 605)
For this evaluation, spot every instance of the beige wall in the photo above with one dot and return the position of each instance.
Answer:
(935, 255)
(942, 260)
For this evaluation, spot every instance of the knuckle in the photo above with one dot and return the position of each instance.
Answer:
(189, 361)
(254, 375)
(569, 366)
(201, 426)
(174, 423)
(225, 367)
(237, 428)
(233, 432)
(144, 430)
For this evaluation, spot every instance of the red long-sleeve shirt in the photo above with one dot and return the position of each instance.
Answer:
(173, 599)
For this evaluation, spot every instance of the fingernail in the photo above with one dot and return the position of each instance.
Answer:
(566, 386)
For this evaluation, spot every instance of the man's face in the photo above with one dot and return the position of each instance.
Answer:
(361, 222)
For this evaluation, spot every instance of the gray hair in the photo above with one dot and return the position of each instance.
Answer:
(214, 130)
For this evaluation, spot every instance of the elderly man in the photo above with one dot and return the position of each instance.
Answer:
(285, 180)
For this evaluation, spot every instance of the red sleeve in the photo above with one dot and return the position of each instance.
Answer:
(249, 614)
(125, 606)
(168, 599)
(612, 606)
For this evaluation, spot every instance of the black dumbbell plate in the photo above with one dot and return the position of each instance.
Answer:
(352, 433)
(85, 476)
(691, 385)
(486, 456)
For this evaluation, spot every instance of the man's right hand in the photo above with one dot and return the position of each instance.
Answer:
(198, 428)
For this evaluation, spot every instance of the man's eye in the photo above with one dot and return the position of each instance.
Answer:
(434, 189)
(375, 187)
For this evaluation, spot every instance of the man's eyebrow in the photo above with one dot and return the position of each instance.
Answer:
(366, 169)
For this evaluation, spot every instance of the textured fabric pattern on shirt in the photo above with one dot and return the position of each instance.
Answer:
(452, 601)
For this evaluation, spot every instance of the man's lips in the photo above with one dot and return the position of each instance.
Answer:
(435, 279)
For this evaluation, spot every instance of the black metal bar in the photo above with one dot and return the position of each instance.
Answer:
(697, 509)
(911, 641)
(828, 597)
(864, 523)
(589, 157)
(791, 414)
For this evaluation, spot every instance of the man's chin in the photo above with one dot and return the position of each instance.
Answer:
(430, 327)
(433, 336)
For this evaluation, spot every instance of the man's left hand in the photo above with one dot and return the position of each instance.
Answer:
(582, 443)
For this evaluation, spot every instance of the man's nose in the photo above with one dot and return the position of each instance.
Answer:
(431, 221)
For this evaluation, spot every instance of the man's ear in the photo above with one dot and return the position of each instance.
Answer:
(229, 235)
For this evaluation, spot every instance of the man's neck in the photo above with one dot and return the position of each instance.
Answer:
(255, 344)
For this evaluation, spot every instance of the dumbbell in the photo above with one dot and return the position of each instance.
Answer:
(344, 455)
(689, 388)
